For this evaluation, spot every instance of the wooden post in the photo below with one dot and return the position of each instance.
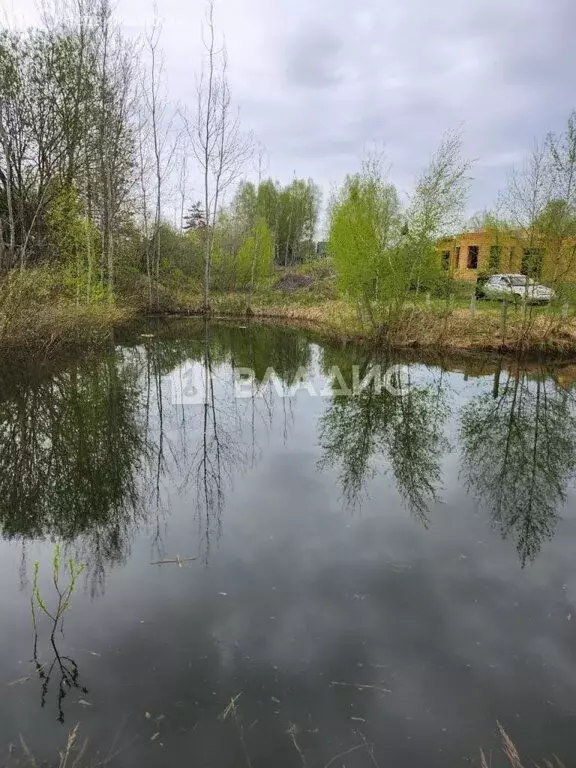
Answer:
(473, 304)
(503, 320)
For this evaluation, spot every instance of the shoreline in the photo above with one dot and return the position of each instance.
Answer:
(560, 347)
(53, 331)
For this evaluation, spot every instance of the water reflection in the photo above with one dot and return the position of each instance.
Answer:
(377, 431)
(519, 453)
(301, 604)
(199, 449)
(71, 448)
(91, 452)
(57, 667)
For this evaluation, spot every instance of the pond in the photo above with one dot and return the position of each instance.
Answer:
(275, 571)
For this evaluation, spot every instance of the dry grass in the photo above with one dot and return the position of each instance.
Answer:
(428, 328)
(71, 756)
(459, 330)
(46, 329)
(37, 316)
(513, 756)
(40, 315)
(74, 754)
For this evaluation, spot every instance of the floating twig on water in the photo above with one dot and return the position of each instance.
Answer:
(361, 686)
(174, 561)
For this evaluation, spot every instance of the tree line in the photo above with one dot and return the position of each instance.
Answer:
(93, 155)
(66, 142)
(90, 148)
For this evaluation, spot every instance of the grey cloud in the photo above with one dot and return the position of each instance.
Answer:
(313, 58)
(404, 74)
(318, 81)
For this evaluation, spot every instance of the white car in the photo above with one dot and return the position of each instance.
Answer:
(517, 288)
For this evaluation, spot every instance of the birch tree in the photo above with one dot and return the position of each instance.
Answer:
(218, 144)
(115, 118)
(383, 251)
(160, 128)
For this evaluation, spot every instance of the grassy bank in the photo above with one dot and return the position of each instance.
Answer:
(40, 318)
(307, 297)
(47, 330)
(450, 330)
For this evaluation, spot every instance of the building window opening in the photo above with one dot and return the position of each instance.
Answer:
(473, 251)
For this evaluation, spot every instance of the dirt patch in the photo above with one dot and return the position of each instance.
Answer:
(291, 283)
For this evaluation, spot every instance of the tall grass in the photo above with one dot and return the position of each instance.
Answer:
(71, 756)
(39, 314)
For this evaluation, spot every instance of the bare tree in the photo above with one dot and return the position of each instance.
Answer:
(182, 182)
(559, 220)
(143, 167)
(525, 200)
(115, 115)
(217, 142)
(161, 122)
(6, 179)
(262, 163)
(528, 192)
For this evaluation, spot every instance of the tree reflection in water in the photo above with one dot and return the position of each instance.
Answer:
(71, 447)
(203, 446)
(89, 452)
(94, 450)
(518, 447)
(373, 432)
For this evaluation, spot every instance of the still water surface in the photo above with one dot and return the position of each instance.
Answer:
(381, 576)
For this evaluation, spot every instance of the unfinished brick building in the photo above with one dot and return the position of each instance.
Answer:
(548, 259)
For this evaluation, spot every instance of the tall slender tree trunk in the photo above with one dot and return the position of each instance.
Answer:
(9, 203)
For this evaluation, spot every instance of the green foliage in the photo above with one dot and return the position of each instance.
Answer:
(256, 257)
(244, 206)
(519, 453)
(182, 254)
(78, 442)
(436, 208)
(67, 147)
(481, 280)
(381, 252)
(558, 219)
(76, 243)
(375, 430)
(64, 592)
(365, 239)
(494, 258)
(290, 212)
(296, 220)
(224, 263)
(489, 221)
(65, 221)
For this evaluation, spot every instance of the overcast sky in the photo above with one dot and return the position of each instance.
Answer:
(319, 80)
